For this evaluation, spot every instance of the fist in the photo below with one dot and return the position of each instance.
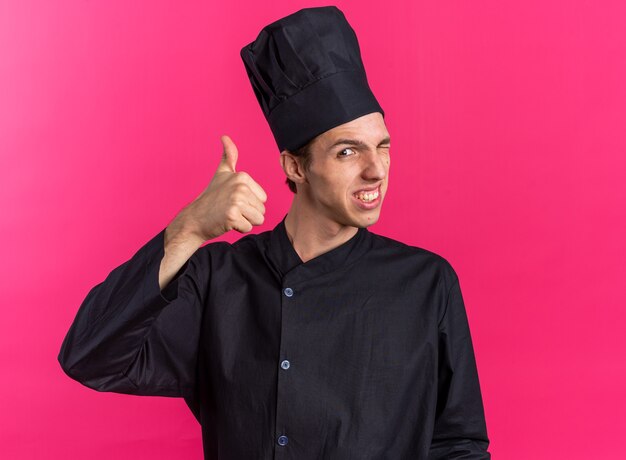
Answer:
(231, 201)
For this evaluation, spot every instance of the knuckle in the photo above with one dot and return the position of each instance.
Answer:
(238, 200)
(232, 213)
(242, 175)
(241, 188)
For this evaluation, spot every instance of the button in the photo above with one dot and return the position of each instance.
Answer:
(283, 440)
(288, 292)
(285, 364)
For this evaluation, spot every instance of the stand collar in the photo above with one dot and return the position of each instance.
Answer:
(288, 263)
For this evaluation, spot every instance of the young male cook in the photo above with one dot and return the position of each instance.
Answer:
(318, 339)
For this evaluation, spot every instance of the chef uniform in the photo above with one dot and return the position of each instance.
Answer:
(363, 352)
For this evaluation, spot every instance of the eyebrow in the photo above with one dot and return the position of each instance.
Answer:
(358, 143)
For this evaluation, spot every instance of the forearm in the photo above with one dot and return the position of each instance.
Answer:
(180, 245)
(113, 320)
(128, 337)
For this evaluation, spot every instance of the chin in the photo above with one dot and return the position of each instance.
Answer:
(366, 221)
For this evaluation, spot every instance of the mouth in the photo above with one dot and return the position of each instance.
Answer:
(368, 198)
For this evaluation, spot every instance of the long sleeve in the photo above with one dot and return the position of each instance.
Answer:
(460, 429)
(129, 337)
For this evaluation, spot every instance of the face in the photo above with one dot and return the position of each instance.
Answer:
(349, 172)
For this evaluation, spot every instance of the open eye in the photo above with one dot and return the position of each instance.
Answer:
(344, 150)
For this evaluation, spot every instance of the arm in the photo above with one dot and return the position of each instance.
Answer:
(130, 337)
(138, 331)
(179, 247)
(460, 428)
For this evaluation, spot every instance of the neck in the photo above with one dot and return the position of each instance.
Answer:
(311, 234)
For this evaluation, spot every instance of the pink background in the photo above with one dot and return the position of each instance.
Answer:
(508, 127)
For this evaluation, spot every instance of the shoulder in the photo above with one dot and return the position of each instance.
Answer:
(416, 259)
(248, 245)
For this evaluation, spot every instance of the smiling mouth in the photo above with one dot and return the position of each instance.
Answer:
(368, 197)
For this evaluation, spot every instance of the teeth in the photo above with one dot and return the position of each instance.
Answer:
(368, 196)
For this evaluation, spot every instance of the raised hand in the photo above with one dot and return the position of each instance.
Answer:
(231, 201)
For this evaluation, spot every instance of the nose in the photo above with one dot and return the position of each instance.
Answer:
(375, 165)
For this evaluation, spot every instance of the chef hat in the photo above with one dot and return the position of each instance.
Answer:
(307, 74)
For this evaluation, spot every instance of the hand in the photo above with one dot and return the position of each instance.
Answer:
(231, 201)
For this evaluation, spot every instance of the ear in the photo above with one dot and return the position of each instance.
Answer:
(292, 167)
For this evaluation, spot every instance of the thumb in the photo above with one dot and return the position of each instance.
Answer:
(229, 155)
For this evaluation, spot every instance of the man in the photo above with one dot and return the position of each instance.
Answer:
(318, 339)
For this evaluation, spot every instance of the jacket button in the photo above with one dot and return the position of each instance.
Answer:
(285, 364)
(283, 440)
(288, 292)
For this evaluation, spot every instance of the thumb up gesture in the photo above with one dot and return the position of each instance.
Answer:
(231, 201)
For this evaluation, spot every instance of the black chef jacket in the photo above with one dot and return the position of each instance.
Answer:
(363, 352)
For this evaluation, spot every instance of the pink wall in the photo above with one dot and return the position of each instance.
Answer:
(508, 133)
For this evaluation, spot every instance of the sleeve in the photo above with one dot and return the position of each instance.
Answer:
(460, 430)
(130, 337)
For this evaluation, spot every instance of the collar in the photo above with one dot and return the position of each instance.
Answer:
(290, 267)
